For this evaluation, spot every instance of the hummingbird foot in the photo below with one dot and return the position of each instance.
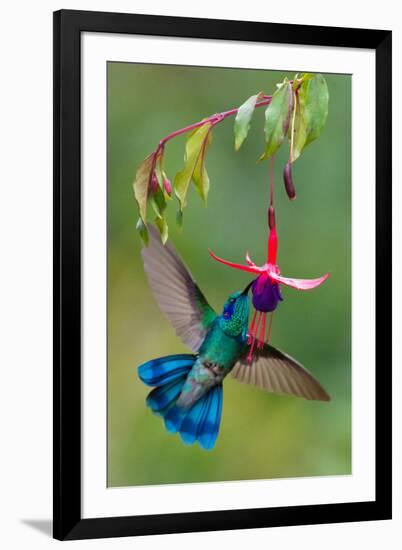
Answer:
(216, 369)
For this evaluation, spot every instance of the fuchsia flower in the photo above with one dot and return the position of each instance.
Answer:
(266, 288)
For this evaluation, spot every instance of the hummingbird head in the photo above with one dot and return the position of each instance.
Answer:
(235, 313)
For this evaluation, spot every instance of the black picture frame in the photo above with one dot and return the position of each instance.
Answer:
(68, 522)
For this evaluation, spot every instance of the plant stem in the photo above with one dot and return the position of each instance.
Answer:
(213, 119)
(271, 181)
(292, 131)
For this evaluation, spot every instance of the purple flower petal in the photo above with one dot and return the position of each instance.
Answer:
(266, 294)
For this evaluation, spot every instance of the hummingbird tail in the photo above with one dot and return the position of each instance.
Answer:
(163, 370)
(201, 421)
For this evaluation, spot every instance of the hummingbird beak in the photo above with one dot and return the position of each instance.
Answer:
(245, 291)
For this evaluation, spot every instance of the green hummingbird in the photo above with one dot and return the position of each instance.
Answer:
(187, 390)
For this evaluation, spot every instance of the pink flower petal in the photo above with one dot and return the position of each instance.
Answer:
(248, 269)
(300, 284)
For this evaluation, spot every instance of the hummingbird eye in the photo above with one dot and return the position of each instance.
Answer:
(232, 301)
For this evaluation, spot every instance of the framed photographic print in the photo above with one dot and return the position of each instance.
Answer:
(222, 270)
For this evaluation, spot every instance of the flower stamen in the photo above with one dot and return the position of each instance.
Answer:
(260, 342)
(254, 337)
(249, 339)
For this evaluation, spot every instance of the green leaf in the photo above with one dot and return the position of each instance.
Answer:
(143, 231)
(194, 147)
(311, 112)
(141, 185)
(277, 118)
(200, 175)
(298, 139)
(159, 170)
(298, 80)
(161, 177)
(243, 118)
(158, 202)
(163, 228)
(314, 98)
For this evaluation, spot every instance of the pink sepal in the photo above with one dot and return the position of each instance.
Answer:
(250, 261)
(246, 268)
(300, 284)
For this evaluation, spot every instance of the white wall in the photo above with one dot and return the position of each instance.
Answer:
(26, 270)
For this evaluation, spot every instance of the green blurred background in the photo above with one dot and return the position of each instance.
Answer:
(262, 435)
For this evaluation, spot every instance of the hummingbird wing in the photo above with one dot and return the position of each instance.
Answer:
(277, 372)
(176, 292)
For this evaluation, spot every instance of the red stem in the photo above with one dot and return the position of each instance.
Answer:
(272, 238)
(213, 119)
(271, 181)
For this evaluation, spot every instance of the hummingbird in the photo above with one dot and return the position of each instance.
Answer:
(187, 388)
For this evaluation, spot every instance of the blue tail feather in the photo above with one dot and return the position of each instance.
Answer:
(192, 421)
(208, 431)
(174, 418)
(162, 396)
(165, 369)
(201, 421)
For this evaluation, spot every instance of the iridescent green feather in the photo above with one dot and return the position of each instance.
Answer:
(208, 315)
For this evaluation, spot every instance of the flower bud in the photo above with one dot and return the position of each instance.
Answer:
(154, 183)
(168, 186)
(287, 178)
(271, 217)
